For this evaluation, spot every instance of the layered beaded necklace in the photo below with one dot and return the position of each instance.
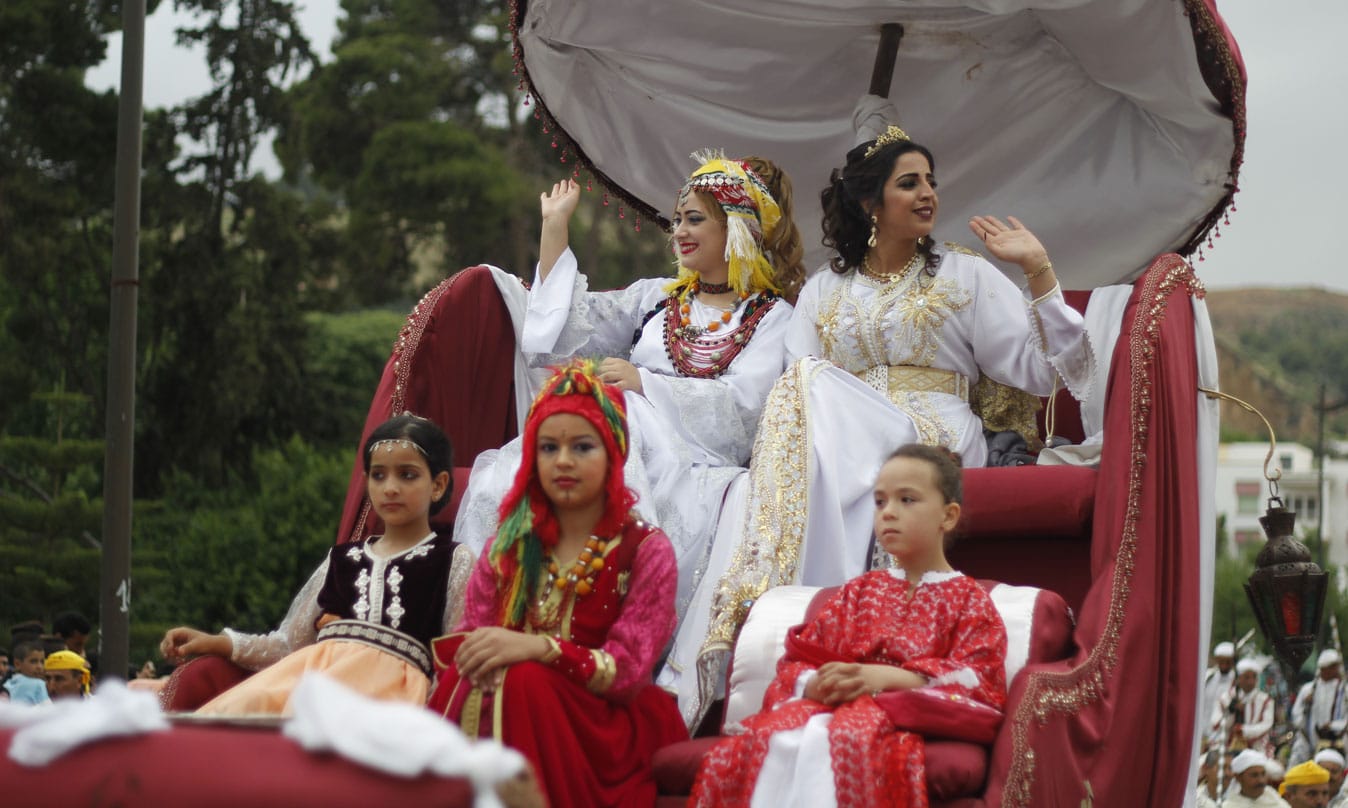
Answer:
(687, 329)
(702, 352)
(583, 571)
(578, 578)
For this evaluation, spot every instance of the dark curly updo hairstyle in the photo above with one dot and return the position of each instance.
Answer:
(438, 453)
(854, 188)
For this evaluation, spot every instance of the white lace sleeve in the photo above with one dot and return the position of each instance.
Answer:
(565, 319)
(802, 334)
(461, 568)
(1028, 344)
(1064, 340)
(257, 651)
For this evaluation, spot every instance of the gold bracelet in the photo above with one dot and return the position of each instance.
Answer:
(1048, 265)
(554, 650)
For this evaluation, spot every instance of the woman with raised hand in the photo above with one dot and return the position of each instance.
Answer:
(694, 355)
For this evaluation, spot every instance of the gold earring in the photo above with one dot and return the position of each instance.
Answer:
(870, 242)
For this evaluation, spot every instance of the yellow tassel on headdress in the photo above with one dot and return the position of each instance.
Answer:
(751, 217)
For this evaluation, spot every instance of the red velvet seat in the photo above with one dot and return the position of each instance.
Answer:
(216, 767)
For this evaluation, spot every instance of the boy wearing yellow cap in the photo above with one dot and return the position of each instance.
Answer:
(67, 675)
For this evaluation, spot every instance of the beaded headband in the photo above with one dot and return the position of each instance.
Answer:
(389, 444)
(751, 217)
(892, 134)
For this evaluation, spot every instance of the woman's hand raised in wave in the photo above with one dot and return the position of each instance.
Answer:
(556, 206)
(1015, 243)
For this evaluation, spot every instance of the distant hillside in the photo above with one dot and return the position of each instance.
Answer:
(1275, 347)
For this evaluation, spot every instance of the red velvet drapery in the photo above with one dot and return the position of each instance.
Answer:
(1119, 713)
(452, 364)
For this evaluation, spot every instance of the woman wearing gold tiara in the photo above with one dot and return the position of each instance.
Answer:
(694, 356)
(892, 344)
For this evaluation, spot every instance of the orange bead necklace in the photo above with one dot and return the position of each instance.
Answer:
(583, 571)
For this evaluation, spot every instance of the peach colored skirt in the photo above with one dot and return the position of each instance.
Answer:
(363, 668)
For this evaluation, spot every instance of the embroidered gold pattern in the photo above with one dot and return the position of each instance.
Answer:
(961, 249)
(1049, 694)
(863, 324)
(932, 429)
(891, 381)
(605, 671)
(770, 551)
(1003, 408)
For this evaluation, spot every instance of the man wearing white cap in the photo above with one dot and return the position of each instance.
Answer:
(1318, 713)
(1332, 762)
(1220, 677)
(1244, 714)
(1249, 767)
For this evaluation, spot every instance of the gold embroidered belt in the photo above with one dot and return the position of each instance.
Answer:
(891, 380)
(404, 646)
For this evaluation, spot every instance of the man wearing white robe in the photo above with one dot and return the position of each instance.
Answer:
(1220, 677)
(1243, 717)
(1249, 767)
(1333, 762)
(1318, 712)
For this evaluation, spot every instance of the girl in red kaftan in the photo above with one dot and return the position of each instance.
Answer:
(821, 738)
(567, 614)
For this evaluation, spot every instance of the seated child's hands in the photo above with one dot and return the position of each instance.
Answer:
(841, 682)
(488, 650)
(837, 683)
(183, 642)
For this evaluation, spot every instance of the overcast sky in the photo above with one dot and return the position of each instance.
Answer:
(1285, 231)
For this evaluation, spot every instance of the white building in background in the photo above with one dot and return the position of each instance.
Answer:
(1242, 493)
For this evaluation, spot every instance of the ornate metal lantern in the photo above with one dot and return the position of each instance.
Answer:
(1287, 589)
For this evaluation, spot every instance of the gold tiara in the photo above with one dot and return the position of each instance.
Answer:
(893, 134)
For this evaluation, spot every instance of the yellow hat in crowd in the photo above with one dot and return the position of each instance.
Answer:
(70, 661)
(1304, 774)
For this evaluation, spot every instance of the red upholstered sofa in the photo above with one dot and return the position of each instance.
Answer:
(1118, 544)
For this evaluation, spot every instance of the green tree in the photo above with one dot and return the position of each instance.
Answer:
(50, 516)
(236, 555)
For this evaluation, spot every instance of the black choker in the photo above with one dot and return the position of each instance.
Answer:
(713, 288)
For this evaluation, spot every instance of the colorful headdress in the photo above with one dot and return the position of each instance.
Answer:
(892, 134)
(528, 523)
(70, 661)
(751, 217)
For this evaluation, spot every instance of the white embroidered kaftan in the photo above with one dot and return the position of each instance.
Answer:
(689, 437)
(835, 415)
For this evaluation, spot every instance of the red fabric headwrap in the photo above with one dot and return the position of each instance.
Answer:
(619, 500)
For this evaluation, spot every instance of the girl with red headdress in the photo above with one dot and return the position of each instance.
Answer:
(568, 611)
(694, 357)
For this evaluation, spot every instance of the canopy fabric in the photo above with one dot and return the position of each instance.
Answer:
(1113, 128)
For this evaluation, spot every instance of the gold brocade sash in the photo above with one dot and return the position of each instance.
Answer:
(893, 380)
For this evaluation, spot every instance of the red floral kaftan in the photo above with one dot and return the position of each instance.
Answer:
(948, 631)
